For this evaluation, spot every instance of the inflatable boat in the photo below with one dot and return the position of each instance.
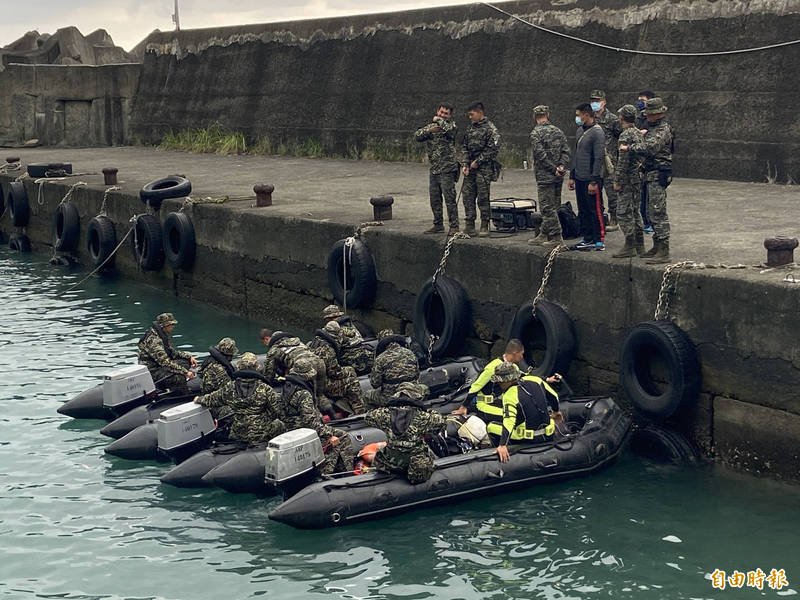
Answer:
(595, 434)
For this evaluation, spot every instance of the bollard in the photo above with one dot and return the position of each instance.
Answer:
(110, 175)
(382, 208)
(780, 250)
(263, 194)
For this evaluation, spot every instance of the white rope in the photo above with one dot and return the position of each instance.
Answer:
(113, 252)
(645, 52)
(102, 212)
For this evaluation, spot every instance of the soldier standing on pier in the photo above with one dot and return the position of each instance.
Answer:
(480, 167)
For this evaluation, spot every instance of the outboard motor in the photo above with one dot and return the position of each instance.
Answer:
(293, 459)
(127, 387)
(183, 428)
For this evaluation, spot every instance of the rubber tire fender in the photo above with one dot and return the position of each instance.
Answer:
(446, 312)
(362, 278)
(666, 339)
(148, 243)
(664, 444)
(179, 240)
(19, 243)
(101, 239)
(560, 341)
(171, 186)
(66, 227)
(18, 206)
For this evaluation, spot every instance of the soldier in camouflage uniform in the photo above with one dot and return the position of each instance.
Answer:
(405, 422)
(255, 405)
(439, 136)
(628, 185)
(478, 159)
(300, 410)
(353, 352)
(394, 364)
(609, 122)
(284, 351)
(656, 150)
(217, 369)
(167, 365)
(551, 161)
(343, 388)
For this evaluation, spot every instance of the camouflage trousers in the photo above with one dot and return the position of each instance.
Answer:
(657, 207)
(628, 200)
(443, 186)
(359, 357)
(476, 187)
(348, 389)
(257, 431)
(340, 458)
(417, 465)
(168, 379)
(610, 192)
(549, 201)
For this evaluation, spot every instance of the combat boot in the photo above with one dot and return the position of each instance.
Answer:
(654, 250)
(538, 240)
(639, 242)
(628, 250)
(484, 232)
(435, 229)
(469, 227)
(662, 255)
(552, 242)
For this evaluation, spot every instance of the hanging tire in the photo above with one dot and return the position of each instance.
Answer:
(664, 445)
(101, 239)
(172, 186)
(66, 227)
(18, 206)
(659, 369)
(445, 313)
(19, 243)
(549, 338)
(362, 282)
(147, 244)
(179, 241)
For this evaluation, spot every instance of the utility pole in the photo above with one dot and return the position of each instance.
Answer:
(176, 18)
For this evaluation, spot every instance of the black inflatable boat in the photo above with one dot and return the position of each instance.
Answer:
(599, 432)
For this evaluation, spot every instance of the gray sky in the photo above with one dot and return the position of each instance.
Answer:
(129, 21)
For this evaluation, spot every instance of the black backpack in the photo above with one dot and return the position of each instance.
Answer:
(570, 227)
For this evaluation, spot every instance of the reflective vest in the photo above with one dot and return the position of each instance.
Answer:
(487, 404)
(526, 413)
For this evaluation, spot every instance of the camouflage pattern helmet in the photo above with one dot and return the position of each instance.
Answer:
(165, 319)
(627, 112)
(331, 312)
(654, 106)
(304, 370)
(410, 389)
(384, 333)
(597, 95)
(248, 362)
(332, 327)
(228, 347)
(541, 110)
(506, 372)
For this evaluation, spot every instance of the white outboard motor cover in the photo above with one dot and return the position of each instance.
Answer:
(126, 384)
(291, 454)
(183, 424)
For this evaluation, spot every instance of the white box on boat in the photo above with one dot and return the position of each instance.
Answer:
(126, 384)
(183, 424)
(291, 454)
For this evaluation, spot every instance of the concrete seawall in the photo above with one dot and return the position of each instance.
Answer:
(270, 264)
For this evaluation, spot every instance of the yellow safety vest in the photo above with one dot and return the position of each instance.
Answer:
(487, 403)
(510, 412)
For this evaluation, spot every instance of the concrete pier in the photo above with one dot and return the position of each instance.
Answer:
(270, 263)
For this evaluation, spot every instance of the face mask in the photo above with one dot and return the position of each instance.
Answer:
(640, 104)
(578, 121)
(595, 106)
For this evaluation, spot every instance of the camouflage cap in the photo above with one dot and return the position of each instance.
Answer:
(165, 319)
(628, 112)
(331, 312)
(597, 95)
(248, 362)
(303, 370)
(541, 109)
(228, 346)
(384, 333)
(410, 389)
(506, 372)
(654, 106)
(332, 327)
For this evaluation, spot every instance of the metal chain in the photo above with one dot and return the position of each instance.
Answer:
(667, 282)
(68, 195)
(431, 341)
(105, 198)
(363, 226)
(548, 268)
(443, 263)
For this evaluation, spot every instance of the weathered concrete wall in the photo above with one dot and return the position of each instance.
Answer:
(67, 105)
(344, 80)
(251, 262)
(67, 46)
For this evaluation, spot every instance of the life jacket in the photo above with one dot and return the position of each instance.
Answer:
(323, 336)
(244, 384)
(165, 339)
(534, 404)
(401, 419)
(278, 335)
(214, 355)
(293, 382)
(387, 341)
